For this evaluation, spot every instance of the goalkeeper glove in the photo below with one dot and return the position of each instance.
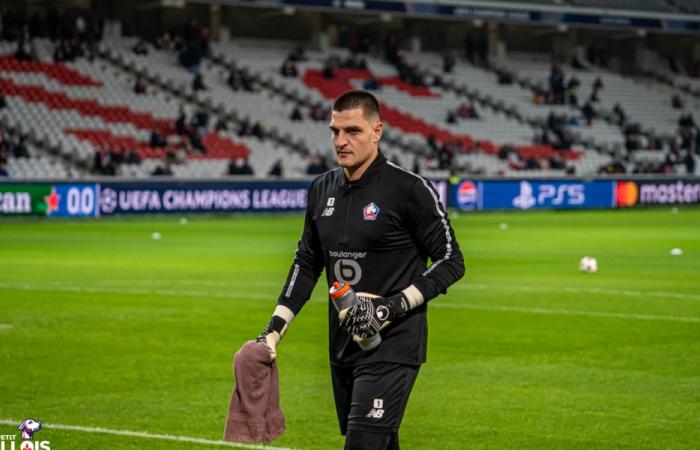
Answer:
(369, 316)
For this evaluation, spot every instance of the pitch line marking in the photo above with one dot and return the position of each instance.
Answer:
(241, 295)
(574, 290)
(566, 312)
(140, 434)
(464, 286)
(163, 292)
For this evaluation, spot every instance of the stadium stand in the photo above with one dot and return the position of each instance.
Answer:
(134, 108)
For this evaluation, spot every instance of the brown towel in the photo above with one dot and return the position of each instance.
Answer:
(254, 414)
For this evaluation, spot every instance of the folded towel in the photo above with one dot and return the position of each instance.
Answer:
(254, 414)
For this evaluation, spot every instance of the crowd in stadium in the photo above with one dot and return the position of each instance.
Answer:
(76, 34)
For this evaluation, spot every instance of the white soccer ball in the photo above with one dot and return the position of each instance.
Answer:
(588, 264)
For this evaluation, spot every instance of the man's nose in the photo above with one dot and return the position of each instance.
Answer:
(340, 140)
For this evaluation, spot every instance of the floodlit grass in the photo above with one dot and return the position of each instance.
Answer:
(103, 326)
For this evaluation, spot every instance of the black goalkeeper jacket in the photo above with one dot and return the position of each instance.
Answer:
(377, 234)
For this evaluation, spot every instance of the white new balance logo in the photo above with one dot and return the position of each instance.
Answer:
(377, 412)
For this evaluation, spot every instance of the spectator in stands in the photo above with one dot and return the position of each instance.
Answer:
(181, 122)
(672, 158)
(3, 101)
(198, 83)
(220, 125)
(319, 113)
(689, 161)
(201, 119)
(163, 42)
(632, 133)
(503, 77)
(448, 61)
(296, 115)
(19, 150)
(162, 170)
(297, 54)
(538, 96)
(3, 170)
(446, 153)
(572, 89)
(588, 112)
(132, 156)
(103, 164)
(531, 163)
(240, 166)
(687, 137)
(469, 48)
(139, 85)
(556, 85)
(258, 131)
(514, 160)
(289, 69)
(328, 70)
(140, 48)
(676, 102)
(234, 80)
(597, 86)
(353, 61)
(463, 111)
(541, 137)
(156, 140)
(372, 84)
(576, 63)
(615, 167)
(392, 49)
(316, 165)
(247, 81)
(557, 161)
(620, 116)
(196, 139)
(686, 121)
(566, 140)
(276, 170)
(26, 49)
(245, 128)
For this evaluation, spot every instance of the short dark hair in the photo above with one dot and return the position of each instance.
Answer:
(358, 99)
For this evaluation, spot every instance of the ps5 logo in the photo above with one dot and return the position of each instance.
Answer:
(548, 194)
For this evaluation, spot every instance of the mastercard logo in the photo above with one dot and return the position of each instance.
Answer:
(626, 193)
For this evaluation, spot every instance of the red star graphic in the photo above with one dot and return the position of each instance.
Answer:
(51, 203)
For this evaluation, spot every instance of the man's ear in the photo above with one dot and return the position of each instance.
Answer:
(377, 132)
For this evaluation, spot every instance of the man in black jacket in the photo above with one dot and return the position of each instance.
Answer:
(373, 225)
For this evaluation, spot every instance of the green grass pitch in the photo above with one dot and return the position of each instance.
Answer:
(103, 326)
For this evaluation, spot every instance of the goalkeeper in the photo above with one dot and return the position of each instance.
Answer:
(373, 225)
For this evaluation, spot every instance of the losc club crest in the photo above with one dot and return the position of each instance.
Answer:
(28, 427)
(370, 212)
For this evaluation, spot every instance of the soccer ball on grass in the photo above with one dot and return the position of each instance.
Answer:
(588, 264)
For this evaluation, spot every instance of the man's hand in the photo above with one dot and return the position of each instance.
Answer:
(370, 315)
(271, 339)
(273, 332)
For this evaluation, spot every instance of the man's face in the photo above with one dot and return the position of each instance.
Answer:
(355, 138)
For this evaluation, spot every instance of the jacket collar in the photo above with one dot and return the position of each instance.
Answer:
(371, 172)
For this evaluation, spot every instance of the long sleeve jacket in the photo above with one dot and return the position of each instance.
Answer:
(377, 234)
